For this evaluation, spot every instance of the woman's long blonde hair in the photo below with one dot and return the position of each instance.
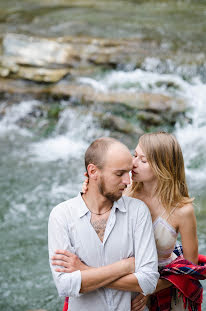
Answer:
(165, 157)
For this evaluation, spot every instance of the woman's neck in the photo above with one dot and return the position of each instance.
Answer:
(149, 189)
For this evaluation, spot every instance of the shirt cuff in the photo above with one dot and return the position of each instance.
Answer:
(76, 283)
(69, 284)
(147, 281)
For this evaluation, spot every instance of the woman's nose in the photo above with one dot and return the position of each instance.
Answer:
(135, 161)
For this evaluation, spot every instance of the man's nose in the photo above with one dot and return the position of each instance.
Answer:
(126, 179)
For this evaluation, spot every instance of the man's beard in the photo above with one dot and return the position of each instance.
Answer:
(111, 196)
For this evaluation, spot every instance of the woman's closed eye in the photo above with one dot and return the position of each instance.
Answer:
(141, 158)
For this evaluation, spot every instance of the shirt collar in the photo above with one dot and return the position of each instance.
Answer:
(120, 205)
(83, 209)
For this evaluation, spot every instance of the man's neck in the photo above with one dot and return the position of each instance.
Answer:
(95, 202)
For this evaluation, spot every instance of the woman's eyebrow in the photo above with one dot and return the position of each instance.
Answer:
(140, 156)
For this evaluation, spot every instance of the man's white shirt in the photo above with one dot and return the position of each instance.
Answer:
(128, 233)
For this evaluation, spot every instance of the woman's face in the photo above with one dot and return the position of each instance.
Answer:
(142, 171)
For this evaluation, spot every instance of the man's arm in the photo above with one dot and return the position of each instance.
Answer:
(94, 278)
(128, 283)
(70, 263)
(76, 281)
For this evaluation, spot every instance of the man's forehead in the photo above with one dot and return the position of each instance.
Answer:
(119, 161)
(118, 149)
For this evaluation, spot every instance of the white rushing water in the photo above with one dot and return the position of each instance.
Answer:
(12, 115)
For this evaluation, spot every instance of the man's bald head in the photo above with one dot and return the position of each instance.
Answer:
(96, 153)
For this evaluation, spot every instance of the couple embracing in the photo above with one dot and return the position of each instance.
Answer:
(111, 247)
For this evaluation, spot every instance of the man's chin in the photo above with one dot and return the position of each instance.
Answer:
(114, 197)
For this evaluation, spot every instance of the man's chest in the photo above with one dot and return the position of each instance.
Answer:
(102, 240)
(99, 223)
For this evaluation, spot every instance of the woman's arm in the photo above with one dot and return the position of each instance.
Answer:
(188, 232)
(162, 284)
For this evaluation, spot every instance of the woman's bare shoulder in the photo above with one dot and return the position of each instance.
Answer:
(185, 210)
(185, 216)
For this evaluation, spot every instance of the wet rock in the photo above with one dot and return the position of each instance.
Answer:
(168, 84)
(75, 53)
(64, 53)
(138, 101)
(150, 118)
(8, 68)
(4, 72)
(40, 74)
(27, 50)
(117, 123)
(134, 103)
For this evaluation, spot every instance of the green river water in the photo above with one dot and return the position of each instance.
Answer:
(40, 168)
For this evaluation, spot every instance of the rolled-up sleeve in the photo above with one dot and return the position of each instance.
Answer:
(146, 261)
(68, 284)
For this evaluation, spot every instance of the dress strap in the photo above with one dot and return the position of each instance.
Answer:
(163, 212)
(171, 212)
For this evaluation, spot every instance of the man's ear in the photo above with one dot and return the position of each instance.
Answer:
(92, 171)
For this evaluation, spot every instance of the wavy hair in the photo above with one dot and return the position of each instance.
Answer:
(164, 155)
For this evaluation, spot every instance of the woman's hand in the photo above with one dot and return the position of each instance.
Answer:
(139, 302)
(85, 183)
(68, 261)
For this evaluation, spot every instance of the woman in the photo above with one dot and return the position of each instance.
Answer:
(158, 179)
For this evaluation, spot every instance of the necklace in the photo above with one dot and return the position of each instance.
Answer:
(101, 213)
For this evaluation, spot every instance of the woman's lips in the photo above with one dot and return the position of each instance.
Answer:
(134, 172)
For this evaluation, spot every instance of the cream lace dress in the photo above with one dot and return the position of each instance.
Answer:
(166, 237)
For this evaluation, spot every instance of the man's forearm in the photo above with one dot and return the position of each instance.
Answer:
(94, 278)
(126, 283)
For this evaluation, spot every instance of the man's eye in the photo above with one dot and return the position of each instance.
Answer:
(119, 174)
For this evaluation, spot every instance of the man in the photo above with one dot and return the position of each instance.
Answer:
(101, 233)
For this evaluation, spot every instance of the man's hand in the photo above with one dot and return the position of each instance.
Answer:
(68, 261)
(139, 303)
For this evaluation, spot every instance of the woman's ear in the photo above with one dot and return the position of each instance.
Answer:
(92, 171)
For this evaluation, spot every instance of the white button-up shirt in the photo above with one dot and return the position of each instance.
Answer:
(128, 233)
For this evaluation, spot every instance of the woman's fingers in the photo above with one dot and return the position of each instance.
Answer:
(85, 185)
(139, 303)
(139, 307)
